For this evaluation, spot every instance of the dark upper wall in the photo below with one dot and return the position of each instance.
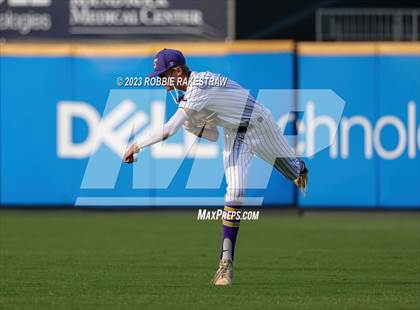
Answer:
(265, 19)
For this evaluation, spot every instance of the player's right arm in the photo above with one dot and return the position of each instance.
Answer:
(155, 136)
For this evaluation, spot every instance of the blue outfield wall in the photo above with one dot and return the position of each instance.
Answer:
(42, 158)
(51, 105)
(335, 181)
(399, 97)
(376, 160)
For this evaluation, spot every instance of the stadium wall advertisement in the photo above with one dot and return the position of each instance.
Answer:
(123, 19)
(55, 96)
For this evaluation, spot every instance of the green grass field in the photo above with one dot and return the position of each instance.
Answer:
(165, 260)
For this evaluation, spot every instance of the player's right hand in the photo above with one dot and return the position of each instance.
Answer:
(129, 154)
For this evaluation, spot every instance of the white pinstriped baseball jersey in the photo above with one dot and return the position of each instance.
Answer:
(248, 129)
(231, 102)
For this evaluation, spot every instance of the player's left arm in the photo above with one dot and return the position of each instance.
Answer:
(205, 130)
(169, 129)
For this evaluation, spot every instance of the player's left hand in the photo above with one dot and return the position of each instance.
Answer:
(129, 154)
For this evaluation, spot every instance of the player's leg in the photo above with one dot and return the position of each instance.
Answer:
(273, 148)
(236, 157)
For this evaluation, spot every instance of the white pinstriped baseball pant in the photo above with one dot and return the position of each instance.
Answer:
(263, 138)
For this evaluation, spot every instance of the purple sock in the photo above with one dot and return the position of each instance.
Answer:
(230, 231)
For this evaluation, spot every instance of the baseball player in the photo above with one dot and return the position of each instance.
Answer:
(248, 129)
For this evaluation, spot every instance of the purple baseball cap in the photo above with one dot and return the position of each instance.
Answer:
(166, 59)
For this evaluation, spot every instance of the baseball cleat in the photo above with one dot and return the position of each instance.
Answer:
(224, 274)
(302, 180)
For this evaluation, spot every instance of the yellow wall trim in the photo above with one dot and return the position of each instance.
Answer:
(35, 49)
(358, 48)
(407, 48)
(143, 49)
(209, 48)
